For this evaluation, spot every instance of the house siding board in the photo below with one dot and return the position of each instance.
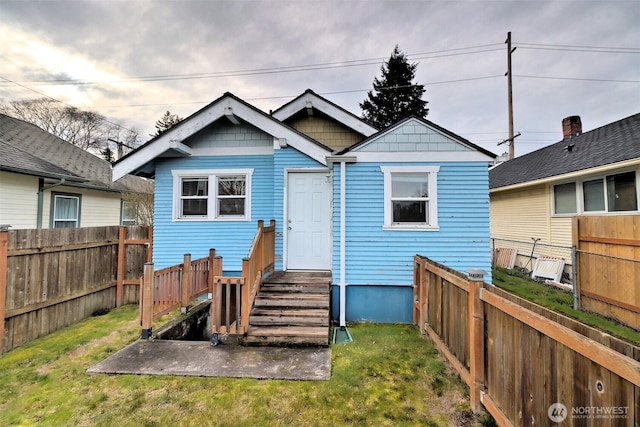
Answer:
(521, 214)
(385, 257)
(19, 196)
(230, 239)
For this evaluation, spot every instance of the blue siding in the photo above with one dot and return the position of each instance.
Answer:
(230, 239)
(379, 263)
(385, 257)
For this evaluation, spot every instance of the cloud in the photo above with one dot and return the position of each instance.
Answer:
(114, 42)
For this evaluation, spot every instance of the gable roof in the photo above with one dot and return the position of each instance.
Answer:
(142, 160)
(310, 99)
(613, 143)
(419, 121)
(30, 145)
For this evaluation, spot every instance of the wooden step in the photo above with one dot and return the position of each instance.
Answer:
(312, 302)
(288, 336)
(317, 288)
(289, 317)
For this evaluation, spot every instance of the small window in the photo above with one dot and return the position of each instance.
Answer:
(129, 213)
(211, 195)
(564, 198)
(622, 193)
(194, 196)
(65, 211)
(231, 196)
(410, 197)
(593, 193)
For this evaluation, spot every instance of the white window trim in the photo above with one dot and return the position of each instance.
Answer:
(580, 194)
(212, 175)
(57, 195)
(433, 197)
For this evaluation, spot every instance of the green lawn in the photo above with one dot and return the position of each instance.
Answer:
(559, 301)
(389, 375)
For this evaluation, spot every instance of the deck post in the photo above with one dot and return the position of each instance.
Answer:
(476, 338)
(146, 302)
(245, 291)
(185, 285)
(4, 250)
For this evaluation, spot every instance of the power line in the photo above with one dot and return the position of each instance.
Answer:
(263, 71)
(577, 78)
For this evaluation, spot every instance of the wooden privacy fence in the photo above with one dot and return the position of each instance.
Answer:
(608, 259)
(522, 362)
(52, 278)
(169, 288)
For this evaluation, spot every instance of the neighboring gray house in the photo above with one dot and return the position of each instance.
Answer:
(46, 182)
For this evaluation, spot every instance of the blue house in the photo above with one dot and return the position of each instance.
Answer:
(346, 197)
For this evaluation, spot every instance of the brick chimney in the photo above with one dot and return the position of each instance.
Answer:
(571, 126)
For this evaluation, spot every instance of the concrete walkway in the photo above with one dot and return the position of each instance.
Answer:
(199, 358)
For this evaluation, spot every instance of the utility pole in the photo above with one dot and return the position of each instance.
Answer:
(510, 96)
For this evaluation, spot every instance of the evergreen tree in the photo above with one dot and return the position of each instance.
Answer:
(166, 122)
(394, 96)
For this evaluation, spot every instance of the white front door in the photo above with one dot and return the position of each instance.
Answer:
(308, 225)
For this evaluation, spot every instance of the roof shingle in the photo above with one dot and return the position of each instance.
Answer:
(616, 142)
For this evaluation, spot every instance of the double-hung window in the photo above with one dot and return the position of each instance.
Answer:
(410, 197)
(65, 211)
(212, 195)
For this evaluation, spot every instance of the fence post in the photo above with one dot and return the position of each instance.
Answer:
(575, 238)
(212, 273)
(146, 303)
(476, 337)
(186, 284)
(4, 249)
(122, 232)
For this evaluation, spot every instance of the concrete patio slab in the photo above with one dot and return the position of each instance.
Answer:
(199, 358)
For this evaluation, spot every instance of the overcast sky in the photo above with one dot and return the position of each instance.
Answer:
(133, 60)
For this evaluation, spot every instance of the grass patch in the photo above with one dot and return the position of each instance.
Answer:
(561, 302)
(388, 376)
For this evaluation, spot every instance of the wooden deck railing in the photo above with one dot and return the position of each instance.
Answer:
(234, 296)
(175, 287)
(519, 358)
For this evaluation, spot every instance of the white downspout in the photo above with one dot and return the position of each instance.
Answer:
(343, 241)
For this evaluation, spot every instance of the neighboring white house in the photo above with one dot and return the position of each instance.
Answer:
(46, 182)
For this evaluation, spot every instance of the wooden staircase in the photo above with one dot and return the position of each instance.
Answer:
(291, 309)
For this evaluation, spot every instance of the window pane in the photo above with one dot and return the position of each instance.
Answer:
(409, 185)
(195, 186)
(64, 224)
(621, 192)
(564, 196)
(66, 208)
(231, 186)
(195, 207)
(231, 206)
(410, 212)
(593, 195)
